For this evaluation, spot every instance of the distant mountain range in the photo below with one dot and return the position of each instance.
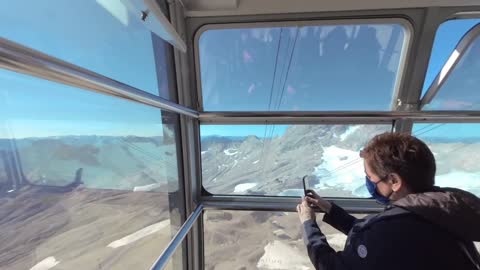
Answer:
(230, 164)
(107, 162)
(275, 166)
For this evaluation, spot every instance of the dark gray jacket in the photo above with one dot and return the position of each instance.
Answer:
(433, 230)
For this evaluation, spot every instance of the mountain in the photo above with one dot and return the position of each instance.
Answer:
(275, 166)
(106, 162)
(230, 164)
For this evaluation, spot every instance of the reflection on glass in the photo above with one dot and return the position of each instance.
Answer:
(460, 90)
(260, 240)
(310, 68)
(99, 35)
(87, 181)
(272, 159)
(456, 148)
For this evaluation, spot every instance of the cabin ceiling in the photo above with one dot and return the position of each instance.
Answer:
(201, 8)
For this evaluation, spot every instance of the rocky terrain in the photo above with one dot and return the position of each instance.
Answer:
(83, 229)
(92, 202)
(259, 240)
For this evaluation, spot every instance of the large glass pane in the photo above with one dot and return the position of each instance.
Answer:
(272, 159)
(260, 240)
(310, 68)
(88, 181)
(460, 89)
(456, 150)
(447, 38)
(99, 35)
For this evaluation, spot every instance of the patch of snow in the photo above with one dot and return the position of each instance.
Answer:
(292, 192)
(243, 187)
(235, 162)
(279, 255)
(139, 234)
(460, 179)
(45, 264)
(350, 130)
(255, 162)
(342, 168)
(146, 187)
(230, 151)
(203, 152)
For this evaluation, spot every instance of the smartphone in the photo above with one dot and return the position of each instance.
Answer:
(304, 179)
(306, 186)
(306, 183)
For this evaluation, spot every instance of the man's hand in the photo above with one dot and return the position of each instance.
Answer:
(305, 212)
(315, 199)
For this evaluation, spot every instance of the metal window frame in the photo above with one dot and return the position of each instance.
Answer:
(21, 59)
(424, 21)
(341, 117)
(403, 21)
(282, 203)
(462, 47)
(189, 131)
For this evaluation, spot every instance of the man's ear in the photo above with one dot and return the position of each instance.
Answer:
(397, 182)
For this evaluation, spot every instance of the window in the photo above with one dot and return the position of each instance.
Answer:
(455, 147)
(272, 159)
(446, 39)
(321, 67)
(5, 184)
(100, 35)
(259, 240)
(97, 178)
(459, 90)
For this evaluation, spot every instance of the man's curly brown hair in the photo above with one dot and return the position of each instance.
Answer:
(405, 155)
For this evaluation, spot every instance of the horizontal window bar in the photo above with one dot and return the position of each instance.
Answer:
(287, 204)
(177, 239)
(335, 117)
(21, 59)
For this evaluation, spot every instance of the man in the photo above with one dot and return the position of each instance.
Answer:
(423, 227)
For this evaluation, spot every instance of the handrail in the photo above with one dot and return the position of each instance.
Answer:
(18, 58)
(164, 258)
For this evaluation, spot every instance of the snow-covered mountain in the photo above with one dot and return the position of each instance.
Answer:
(275, 166)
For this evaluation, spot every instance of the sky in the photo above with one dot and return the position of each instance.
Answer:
(312, 68)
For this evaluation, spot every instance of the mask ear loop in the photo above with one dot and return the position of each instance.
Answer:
(391, 193)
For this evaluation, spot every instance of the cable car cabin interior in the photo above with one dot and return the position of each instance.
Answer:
(155, 134)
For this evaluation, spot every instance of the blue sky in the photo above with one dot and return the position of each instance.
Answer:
(104, 37)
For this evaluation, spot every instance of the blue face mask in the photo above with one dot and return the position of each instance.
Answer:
(372, 189)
